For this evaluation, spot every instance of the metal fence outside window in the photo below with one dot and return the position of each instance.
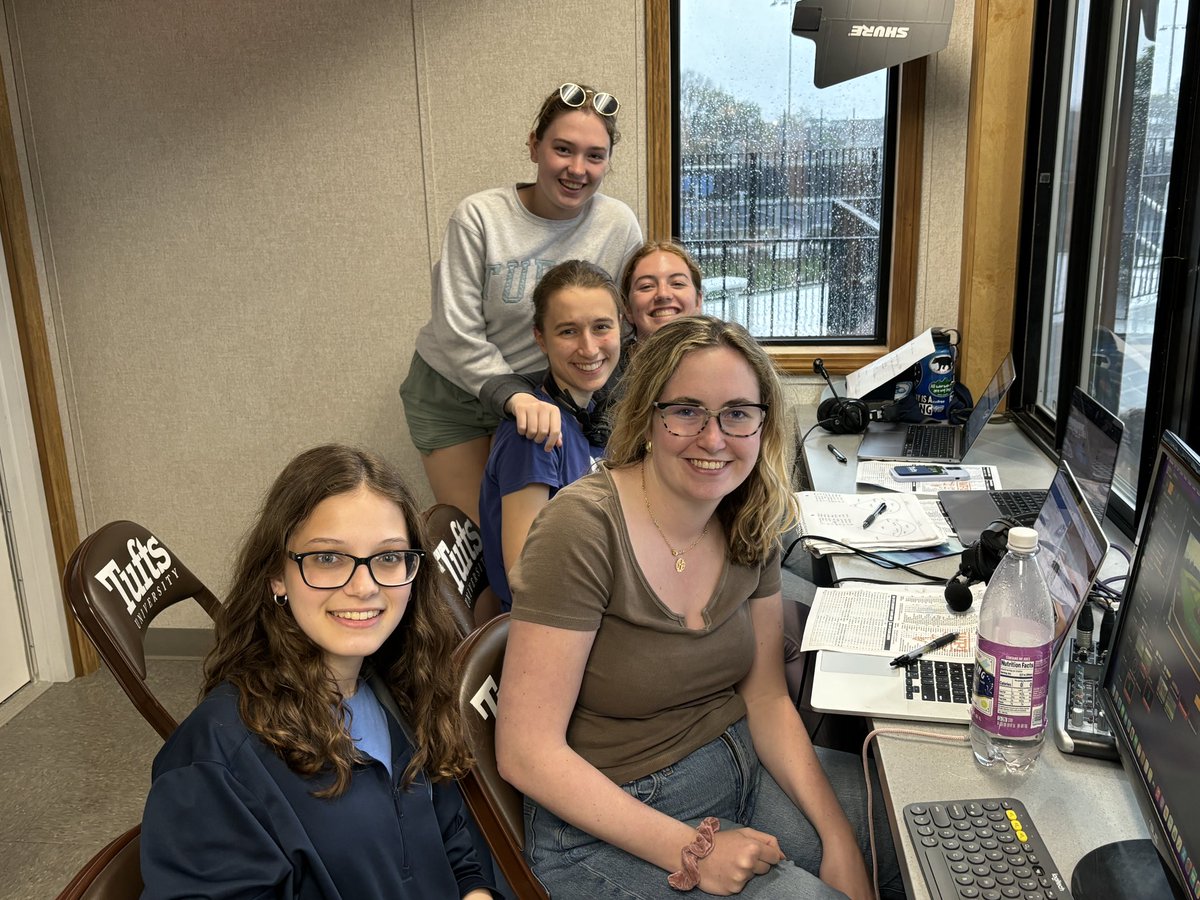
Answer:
(788, 242)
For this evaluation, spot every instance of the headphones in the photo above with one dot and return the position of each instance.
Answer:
(840, 415)
(977, 564)
(594, 423)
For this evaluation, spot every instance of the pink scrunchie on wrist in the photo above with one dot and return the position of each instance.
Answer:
(688, 875)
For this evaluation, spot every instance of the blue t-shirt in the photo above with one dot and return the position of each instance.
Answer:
(517, 462)
(368, 726)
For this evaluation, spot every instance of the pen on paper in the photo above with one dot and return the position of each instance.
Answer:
(913, 655)
(837, 454)
(878, 511)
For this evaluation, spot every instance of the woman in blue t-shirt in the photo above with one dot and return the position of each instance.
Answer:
(577, 324)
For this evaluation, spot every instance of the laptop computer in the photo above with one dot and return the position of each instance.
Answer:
(1072, 546)
(938, 443)
(1090, 448)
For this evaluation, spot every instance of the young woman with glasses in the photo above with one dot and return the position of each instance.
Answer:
(497, 246)
(321, 761)
(644, 712)
(576, 321)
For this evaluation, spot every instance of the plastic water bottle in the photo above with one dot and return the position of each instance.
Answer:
(1012, 659)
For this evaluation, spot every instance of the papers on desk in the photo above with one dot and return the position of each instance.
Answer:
(878, 473)
(897, 522)
(888, 621)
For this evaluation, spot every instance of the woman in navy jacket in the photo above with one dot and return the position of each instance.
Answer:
(320, 763)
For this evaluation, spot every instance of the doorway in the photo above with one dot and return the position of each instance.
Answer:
(14, 659)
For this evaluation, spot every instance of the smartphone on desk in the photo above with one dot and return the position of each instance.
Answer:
(928, 473)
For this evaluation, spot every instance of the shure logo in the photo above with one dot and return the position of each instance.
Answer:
(879, 31)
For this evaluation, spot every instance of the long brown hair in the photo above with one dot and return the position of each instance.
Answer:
(288, 697)
(762, 507)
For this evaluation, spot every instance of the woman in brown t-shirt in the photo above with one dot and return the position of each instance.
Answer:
(643, 681)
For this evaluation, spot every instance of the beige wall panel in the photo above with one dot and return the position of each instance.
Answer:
(238, 205)
(484, 69)
(947, 96)
(231, 206)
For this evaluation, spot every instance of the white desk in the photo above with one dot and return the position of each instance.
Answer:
(1076, 803)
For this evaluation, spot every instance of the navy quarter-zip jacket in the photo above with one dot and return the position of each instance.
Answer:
(226, 818)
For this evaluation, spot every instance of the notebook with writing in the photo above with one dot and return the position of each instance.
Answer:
(935, 689)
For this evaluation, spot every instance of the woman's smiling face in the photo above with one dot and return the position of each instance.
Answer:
(660, 290)
(351, 622)
(572, 159)
(710, 465)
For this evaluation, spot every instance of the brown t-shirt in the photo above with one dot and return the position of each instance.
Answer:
(653, 690)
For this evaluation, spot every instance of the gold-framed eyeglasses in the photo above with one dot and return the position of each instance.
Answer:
(689, 419)
(327, 570)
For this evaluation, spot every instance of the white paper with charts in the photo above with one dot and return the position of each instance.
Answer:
(889, 621)
(866, 522)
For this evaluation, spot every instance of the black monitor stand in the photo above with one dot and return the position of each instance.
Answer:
(1124, 870)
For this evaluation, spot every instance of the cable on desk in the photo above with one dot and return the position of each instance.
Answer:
(812, 428)
(869, 556)
(931, 735)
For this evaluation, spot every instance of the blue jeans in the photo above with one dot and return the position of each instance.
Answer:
(724, 779)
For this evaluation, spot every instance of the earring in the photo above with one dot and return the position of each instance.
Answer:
(280, 599)
(649, 446)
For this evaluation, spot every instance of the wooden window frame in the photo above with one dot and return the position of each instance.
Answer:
(839, 358)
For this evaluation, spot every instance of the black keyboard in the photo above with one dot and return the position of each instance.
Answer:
(982, 850)
(929, 441)
(1023, 506)
(941, 682)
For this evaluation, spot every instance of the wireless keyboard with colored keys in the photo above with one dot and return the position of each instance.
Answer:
(982, 850)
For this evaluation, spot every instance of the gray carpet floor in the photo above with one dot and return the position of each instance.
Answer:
(74, 774)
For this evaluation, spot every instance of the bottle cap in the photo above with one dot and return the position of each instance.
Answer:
(1023, 540)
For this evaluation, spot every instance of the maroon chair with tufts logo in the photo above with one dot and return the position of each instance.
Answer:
(117, 581)
(495, 804)
(114, 873)
(457, 548)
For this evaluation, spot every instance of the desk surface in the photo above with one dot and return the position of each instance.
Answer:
(1076, 803)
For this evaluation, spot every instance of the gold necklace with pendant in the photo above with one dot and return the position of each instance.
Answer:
(680, 562)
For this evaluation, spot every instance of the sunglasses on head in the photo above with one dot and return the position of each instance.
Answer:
(575, 96)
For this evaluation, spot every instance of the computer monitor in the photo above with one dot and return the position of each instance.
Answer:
(1151, 688)
(1090, 447)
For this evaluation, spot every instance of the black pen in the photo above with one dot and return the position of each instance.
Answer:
(879, 510)
(837, 454)
(913, 655)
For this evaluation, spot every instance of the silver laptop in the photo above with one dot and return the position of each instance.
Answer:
(1072, 546)
(938, 443)
(1090, 448)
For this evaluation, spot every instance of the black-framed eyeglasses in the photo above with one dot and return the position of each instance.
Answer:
(327, 570)
(690, 419)
(575, 96)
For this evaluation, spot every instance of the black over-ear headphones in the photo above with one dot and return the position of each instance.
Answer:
(977, 564)
(840, 415)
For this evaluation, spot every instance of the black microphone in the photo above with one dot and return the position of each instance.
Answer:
(958, 592)
(819, 368)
